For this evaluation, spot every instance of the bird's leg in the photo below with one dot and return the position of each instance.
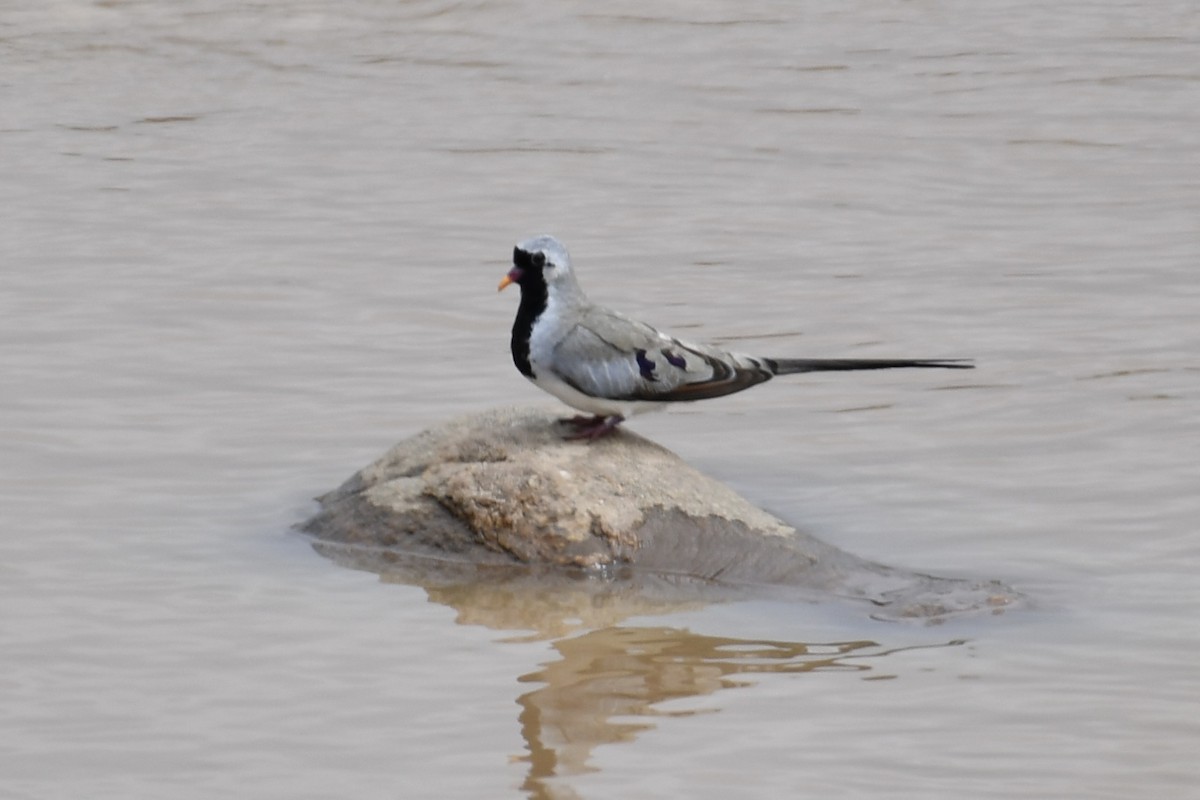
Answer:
(594, 428)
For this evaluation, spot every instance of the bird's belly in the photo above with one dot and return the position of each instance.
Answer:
(548, 382)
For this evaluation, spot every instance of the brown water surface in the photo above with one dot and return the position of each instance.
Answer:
(249, 246)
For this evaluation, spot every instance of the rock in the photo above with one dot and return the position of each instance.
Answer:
(500, 495)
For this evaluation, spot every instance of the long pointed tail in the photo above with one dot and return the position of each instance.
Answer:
(788, 366)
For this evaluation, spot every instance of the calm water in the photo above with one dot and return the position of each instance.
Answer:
(249, 246)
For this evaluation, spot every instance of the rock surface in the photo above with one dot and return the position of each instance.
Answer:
(500, 493)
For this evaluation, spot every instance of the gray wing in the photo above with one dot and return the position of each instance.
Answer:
(606, 354)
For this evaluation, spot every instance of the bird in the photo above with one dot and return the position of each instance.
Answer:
(610, 366)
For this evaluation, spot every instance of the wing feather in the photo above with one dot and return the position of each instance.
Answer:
(611, 356)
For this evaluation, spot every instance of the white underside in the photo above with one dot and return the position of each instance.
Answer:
(548, 382)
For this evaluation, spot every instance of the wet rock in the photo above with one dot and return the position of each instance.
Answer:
(500, 496)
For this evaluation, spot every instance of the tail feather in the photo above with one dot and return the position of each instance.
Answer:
(788, 366)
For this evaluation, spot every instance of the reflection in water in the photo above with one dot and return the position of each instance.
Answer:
(622, 672)
(609, 679)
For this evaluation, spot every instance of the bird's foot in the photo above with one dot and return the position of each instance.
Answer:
(592, 428)
(580, 421)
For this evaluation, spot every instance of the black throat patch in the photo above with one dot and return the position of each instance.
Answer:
(533, 302)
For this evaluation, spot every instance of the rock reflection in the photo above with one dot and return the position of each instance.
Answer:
(547, 603)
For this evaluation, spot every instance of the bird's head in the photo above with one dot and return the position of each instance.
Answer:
(541, 262)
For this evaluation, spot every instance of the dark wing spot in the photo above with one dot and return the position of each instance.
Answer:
(674, 360)
(645, 365)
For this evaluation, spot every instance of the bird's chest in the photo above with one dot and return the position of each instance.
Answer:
(547, 333)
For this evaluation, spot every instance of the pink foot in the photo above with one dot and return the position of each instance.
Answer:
(582, 421)
(592, 428)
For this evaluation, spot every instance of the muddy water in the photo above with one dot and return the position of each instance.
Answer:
(246, 248)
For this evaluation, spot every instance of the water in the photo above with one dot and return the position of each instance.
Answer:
(247, 247)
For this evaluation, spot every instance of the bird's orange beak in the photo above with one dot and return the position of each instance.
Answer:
(512, 277)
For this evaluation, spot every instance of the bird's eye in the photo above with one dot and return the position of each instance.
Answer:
(539, 260)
